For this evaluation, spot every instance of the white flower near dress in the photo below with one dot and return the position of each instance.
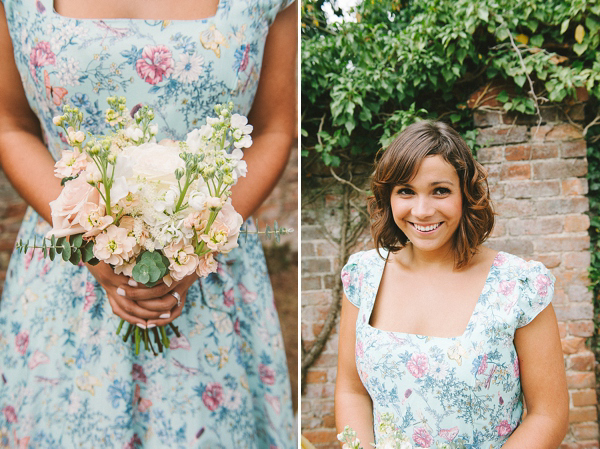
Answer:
(189, 68)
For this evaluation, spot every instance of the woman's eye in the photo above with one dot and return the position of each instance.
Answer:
(404, 191)
(441, 191)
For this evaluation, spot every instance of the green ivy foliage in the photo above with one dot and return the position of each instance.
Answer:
(404, 60)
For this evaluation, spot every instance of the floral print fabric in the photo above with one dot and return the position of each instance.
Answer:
(66, 379)
(462, 391)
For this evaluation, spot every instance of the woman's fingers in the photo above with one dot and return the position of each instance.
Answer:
(175, 312)
(117, 310)
(163, 305)
(131, 308)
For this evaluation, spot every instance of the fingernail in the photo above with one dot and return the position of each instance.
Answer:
(120, 292)
(150, 326)
(132, 283)
(165, 315)
(143, 326)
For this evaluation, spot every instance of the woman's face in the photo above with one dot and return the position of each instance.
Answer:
(429, 208)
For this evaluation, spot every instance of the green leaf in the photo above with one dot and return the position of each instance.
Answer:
(77, 240)
(455, 118)
(507, 106)
(59, 245)
(52, 253)
(565, 26)
(520, 80)
(592, 24)
(483, 13)
(93, 261)
(537, 40)
(44, 248)
(66, 250)
(75, 257)
(502, 97)
(580, 48)
(502, 33)
(87, 251)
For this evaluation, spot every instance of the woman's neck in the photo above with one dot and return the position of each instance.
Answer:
(414, 259)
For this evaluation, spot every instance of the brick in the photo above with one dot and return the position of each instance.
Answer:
(580, 380)
(574, 242)
(311, 233)
(579, 293)
(493, 154)
(325, 249)
(576, 311)
(562, 329)
(559, 168)
(316, 376)
(585, 431)
(483, 118)
(584, 328)
(330, 280)
(539, 225)
(517, 153)
(568, 205)
(577, 223)
(577, 186)
(516, 171)
(499, 228)
(502, 136)
(573, 149)
(308, 249)
(519, 247)
(583, 414)
(549, 260)
(572, 345)
(329, 420)
(316, 297)
(579, 259)
(320, 436)
(311, 283)
(493, 172)
(316, 265)
(509, 208)
(530, 189)
(562, 132)
(584, 397)
(326, 360)
(496, 191)
(581, 362)
(544, 150)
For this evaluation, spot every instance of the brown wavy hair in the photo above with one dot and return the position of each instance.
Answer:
(398, 165)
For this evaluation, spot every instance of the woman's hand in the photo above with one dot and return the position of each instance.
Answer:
(137, 304)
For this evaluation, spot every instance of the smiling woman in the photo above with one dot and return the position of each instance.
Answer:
(439, 332)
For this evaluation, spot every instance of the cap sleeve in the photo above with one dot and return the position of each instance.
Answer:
(275, 7)
(351, 278)
(537, 290)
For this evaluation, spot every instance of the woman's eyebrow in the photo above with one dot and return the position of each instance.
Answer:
(444, 181)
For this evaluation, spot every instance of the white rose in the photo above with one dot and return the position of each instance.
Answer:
(156, 163)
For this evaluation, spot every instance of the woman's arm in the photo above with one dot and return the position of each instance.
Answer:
(544, 385)
(353, 406)
(273, 115)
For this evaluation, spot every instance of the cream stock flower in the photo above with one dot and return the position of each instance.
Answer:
(70, 164)
(94, 219)
(114, 246)
(206, 265)
(223, 234)
(183, 259)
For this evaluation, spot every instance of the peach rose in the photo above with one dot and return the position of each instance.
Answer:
(69, 207)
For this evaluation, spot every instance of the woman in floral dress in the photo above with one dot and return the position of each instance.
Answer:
(442, 333)
(66, 379)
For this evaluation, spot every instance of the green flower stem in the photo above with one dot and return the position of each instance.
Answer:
(188, 183)
(129, 329)
(175, 329)
(120, 326)
(157, 340)
(137, 340)
(145, 334)
(165, 339)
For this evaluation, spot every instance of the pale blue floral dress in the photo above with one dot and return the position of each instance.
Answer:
(460, 392)
(66, 379)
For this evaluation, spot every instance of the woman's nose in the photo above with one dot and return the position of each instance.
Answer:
(422, 207)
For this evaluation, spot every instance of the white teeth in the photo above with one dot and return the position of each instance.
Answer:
(426, 228)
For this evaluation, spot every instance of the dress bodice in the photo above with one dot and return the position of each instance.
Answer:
(462, 391)
(181, 68)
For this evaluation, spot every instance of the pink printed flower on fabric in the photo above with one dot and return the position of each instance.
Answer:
(541, 284)
(22, 341)
(506, 287)
(156, 62)
(483, 365)
(213, 396)
(503, 428)
(40, 56)
(267, 374)
(69, 207)
(516, 367)
(137, 373)
(114, 246)
(70, 164)
(422, 438)
(183, 259)
(418, 365)
(448, 434)
(206, 265)
(9, 414)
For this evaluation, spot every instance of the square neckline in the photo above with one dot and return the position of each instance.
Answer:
(382, 266)
(135, 19)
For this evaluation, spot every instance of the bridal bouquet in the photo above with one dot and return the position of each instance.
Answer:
(390, 437)
(156, 212)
